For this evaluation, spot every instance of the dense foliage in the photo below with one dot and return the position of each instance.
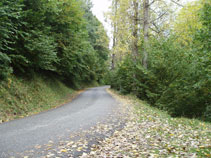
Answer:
(178, 77)
(59, 36)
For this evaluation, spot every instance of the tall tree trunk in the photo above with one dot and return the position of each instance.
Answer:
(135, 29)
(113, 61)
(146, 32)
(113, 54)
(114, 35)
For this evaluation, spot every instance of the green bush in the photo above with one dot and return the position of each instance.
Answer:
(207, 113)
(5, 68)
(177, 80)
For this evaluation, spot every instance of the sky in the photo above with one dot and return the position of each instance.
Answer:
(99, 8)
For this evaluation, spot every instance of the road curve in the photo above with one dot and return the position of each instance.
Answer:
(89, 108)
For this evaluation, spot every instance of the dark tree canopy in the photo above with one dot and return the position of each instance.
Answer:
(59, 36)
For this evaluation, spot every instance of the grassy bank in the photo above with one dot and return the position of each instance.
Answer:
(21, 97)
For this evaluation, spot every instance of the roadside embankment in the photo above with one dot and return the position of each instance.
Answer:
(20, 97)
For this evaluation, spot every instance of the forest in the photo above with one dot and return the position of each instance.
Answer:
(161, 49)
(161, 53)
(61, 37)
(47, 49)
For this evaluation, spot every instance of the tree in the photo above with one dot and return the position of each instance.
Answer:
(114, 7)
(98, 39)
(125, 28)
(188, 22)
(134, 22)
(177, 78)
(135, 5)
(58, 36)
(146, 31)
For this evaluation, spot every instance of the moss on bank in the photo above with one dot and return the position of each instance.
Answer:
(21, 97)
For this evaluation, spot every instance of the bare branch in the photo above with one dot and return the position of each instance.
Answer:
(156, 31)
(155, 26)
(177, 3)
(153, 10)
(152, 2)
(158, 17)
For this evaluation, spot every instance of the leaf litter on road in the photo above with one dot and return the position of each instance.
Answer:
(136, 130)
(152, 133)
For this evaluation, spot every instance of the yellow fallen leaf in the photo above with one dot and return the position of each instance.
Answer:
(134, 151)
(64, 150)
(79, 148)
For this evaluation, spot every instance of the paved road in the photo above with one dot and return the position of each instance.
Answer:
(86, 110)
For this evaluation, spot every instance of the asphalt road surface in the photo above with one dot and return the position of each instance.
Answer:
(90, 107)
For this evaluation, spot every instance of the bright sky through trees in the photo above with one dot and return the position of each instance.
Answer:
(99, 8)
(102, 6)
